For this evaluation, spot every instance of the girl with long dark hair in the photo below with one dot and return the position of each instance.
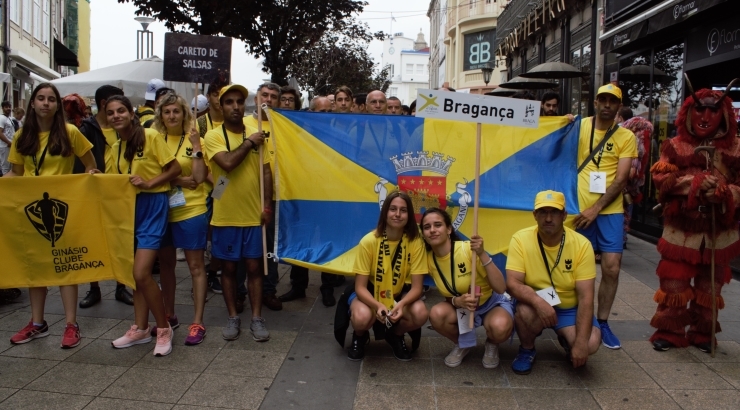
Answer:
(386, 257)
(450, 264)
(188, 219)
(46, 145)
(144, 156)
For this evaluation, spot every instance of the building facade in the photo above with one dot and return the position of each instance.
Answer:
(534, 32)
(463, 40)
(648, 46)
(409, 66)
(33, 48)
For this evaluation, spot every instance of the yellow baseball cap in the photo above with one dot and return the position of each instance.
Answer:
(610, 89)
(235, 87)
(549, 198)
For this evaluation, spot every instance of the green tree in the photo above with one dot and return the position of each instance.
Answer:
(339, 58)
(276, 30)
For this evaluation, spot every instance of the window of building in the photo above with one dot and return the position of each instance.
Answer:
(420, 69)
(37, 19)
(46, 23)
(15, 14)
(393, 92)
(409, 68)
(27, 15)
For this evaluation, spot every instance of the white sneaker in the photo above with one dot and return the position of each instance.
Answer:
(180, 254)
(490, 357)
(456, 356)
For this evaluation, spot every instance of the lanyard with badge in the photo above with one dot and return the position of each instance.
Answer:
(176, 196)
(118, 163)
(222, 182)
(597, 179)
(37, 167)
(463, 324)
(549, 294)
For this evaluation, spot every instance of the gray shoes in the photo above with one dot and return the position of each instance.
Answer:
(232, 329)
(259, 330)
(257, 327)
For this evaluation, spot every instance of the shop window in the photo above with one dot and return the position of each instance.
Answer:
(580, 57)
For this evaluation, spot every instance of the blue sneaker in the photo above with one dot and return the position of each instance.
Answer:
(608, 338)
(523, 362)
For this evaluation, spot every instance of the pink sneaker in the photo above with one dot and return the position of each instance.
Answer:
(133, 336)
(164, 342)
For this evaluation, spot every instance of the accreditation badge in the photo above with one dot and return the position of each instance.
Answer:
(597, 182)
(219, 187)
(176, 197)
(550, 296)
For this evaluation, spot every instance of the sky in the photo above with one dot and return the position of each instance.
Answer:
(113, 36)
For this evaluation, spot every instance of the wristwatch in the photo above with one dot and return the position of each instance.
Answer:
(197, 154)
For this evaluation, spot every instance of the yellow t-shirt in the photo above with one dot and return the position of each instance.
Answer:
(367, 259)
(147, 163)
(52, 164)
(622, 144)
(463, 258)
(145, 117)
(111, 136)
(576, 263)
(269, 150)
(240, 203)
(195, 199)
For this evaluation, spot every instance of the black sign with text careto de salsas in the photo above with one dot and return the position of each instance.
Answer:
(196, 59)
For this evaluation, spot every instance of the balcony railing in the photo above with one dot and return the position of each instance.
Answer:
(468, 8)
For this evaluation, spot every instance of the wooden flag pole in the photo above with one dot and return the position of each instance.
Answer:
(476, 196)
(262, 190)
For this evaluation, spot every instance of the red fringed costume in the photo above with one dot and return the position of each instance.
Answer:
(685, 246)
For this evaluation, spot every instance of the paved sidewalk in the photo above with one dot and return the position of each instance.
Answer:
(303, 367)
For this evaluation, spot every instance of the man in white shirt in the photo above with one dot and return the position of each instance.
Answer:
(6, 138)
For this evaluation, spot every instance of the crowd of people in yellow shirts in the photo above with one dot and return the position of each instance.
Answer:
(198, 190)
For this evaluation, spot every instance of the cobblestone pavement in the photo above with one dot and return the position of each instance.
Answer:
(303, 367)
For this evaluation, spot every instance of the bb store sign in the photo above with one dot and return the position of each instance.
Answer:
(478, 49)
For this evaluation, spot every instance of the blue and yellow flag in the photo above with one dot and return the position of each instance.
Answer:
(333, 172)
(66, 230)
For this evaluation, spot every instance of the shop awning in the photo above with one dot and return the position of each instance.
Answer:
(64, 56)
(32, 64)
(625, 36)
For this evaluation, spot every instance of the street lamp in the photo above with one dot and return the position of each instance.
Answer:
(487, 71)
(144, 36)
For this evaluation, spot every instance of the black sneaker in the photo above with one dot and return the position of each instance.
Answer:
(122, 295)
(327, 297)
(93, 297)
(398, 344)
(705, 347)
(357, 348)
(214, 284)
(662, 345)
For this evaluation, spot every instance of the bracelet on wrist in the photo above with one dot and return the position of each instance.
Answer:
(452, 301)
(490, 260)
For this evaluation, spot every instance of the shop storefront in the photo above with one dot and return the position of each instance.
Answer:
(648, 56)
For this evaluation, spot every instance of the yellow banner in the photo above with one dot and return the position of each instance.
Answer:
(66, 230)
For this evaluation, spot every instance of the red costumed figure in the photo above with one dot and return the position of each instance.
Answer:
(687, 192)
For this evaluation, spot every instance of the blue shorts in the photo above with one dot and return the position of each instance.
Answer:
(234, 243)
(567, 317)
(150, 222)
(606, 233)
(189, 234)
(209, 206)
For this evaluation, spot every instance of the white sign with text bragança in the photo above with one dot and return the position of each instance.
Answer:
(446, 105)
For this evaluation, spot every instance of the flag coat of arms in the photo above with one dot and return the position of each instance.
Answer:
(66, 230)
(333, 172)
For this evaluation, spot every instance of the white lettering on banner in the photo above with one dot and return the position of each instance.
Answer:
(718, 37)
(681, 9)
(477, 108)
